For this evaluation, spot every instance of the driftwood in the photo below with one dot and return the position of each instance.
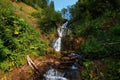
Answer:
(32, 64)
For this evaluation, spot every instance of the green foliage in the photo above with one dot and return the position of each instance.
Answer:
(115, 30)
(88, 65)
(3, 51)
(93, 49)
(35, 3)
(52, 5)
(98, 23)
(17, 39)
(99, 33)
(92, 71)
(5, 66)
(64, 12)
(113, 69)
(50, 19)
(6, 8)
(93, 8)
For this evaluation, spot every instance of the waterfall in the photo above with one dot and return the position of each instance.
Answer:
(72, 70)
(62, 31)
(53, 74)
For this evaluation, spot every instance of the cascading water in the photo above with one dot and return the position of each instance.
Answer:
(72, 73)
(62, 31)
(53, 74)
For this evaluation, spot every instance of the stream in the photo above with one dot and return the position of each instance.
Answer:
(69, 69)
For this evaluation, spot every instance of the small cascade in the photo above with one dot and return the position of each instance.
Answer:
(68, 68)
(70, 61)
(73, 72)
(62, 31)
(53, 74)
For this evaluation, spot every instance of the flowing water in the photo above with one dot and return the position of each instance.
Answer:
(72, 72)
(53, 74)
(62, 31)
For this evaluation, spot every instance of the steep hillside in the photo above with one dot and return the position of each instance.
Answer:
(25, 11)
(19, 35)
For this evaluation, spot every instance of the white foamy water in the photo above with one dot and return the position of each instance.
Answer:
(53, 74)
(62, 31)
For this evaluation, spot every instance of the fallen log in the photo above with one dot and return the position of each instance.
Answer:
(32, 64)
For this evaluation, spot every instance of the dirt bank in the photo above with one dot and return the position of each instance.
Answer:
(26, 73)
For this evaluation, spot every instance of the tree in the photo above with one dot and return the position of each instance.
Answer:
(64, 12)
(52, 4)
(48, 2)
(93, 8)
(50, 19)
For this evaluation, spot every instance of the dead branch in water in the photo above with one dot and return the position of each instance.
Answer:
(32, 64)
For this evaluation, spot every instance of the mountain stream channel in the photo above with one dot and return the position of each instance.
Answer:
(67, 69)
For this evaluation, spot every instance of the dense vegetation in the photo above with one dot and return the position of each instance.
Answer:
(95, 22)
(98, 23)
(34, 3)
(17, 38)
(49, 19)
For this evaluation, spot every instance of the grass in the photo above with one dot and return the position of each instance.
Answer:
(24, 11)
(22, 33)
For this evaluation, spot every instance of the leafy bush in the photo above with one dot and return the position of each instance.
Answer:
(113, 69)
(116, 30)
(50, 20)
(93, 49)
(36, 3)
(17, 39)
